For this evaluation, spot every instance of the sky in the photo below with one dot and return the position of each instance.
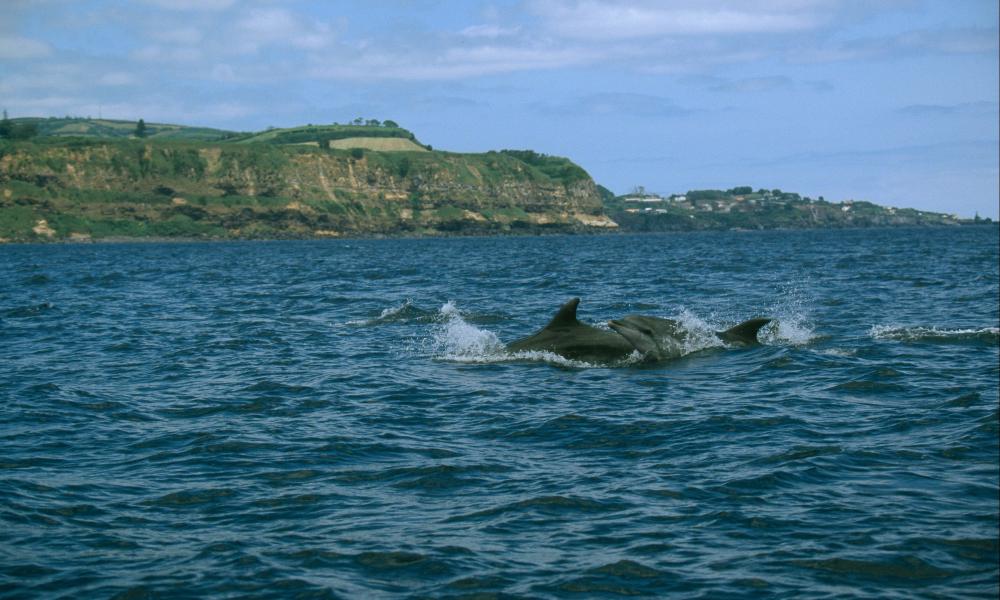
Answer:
(891, 101)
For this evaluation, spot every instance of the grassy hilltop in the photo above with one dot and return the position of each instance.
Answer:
(113, 129)
(98, 179)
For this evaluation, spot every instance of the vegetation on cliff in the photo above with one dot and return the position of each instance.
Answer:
(88, 188)
(97, 179)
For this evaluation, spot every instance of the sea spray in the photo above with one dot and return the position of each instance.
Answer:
(456, 340)
(402, 313)
(934, 334)
(700, 335)
(792, 323)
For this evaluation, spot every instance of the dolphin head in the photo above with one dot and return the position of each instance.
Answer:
(638, 335)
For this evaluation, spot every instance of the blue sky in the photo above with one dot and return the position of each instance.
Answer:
(893, 101)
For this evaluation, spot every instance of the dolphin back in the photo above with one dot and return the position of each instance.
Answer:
(566, 315)
(566, 336)
(744, 333)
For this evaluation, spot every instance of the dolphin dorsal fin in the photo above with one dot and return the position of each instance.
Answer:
(745, 332)
(566, 315)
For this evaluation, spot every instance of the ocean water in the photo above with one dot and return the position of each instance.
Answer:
(339, 419)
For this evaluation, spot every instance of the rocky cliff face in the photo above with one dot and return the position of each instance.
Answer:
(129, 189)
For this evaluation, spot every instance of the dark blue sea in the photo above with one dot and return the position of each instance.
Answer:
(339, 419)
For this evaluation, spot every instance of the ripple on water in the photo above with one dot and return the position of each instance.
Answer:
(342, 419)
(620, 578)
(900, 567)
(28, 311)
(557, 507)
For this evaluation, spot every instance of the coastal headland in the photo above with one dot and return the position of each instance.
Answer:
(86, 179)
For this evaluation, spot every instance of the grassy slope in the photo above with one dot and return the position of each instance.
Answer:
(323, 134)
(142, 188)
(376, 144)
(117, 129)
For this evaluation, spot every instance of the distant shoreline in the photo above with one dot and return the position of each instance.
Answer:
(176, 184)
(467, 235)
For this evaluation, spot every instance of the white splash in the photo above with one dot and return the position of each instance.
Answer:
(395, 310)
(791, 329)
(914, 334)
(386, 314)
(839, 352)
(700, 334)
(456, 340)
(791, 325)
(407, 312)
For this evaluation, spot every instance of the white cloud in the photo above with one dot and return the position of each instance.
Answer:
(754, 84)
(179, 35)
(616, 104)
(117, 78)
(192, 5)
(489, 31)
(278, 26)
(449, 62)
(168, 54)
(19, 48)
(981, 108)
(925, 41)
(617, 20)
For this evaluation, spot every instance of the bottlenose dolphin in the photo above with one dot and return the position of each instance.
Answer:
(566, 336)
(663, 339)
(654, 338)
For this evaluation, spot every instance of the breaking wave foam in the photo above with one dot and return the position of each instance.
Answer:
(784, 330)
(788, 330)
(791, 325)
(457, 340)
(933, 334)
(700, 335)
(405, 312)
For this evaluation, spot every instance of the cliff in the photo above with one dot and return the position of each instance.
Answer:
(79, 188)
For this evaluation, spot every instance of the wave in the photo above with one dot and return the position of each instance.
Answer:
(29, 310)
(789, 330)
(700, 335)
(792, 325)
(935, 335)
(406, 312)
(785, 329)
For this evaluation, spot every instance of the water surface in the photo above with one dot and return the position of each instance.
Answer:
(339, 419)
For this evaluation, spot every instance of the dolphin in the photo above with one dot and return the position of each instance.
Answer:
(653, 337)
(568, 337)
(663, 339)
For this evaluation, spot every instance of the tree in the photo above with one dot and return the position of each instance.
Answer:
(23, 131)
(389, 123)
(140, 129)
(5, 126)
